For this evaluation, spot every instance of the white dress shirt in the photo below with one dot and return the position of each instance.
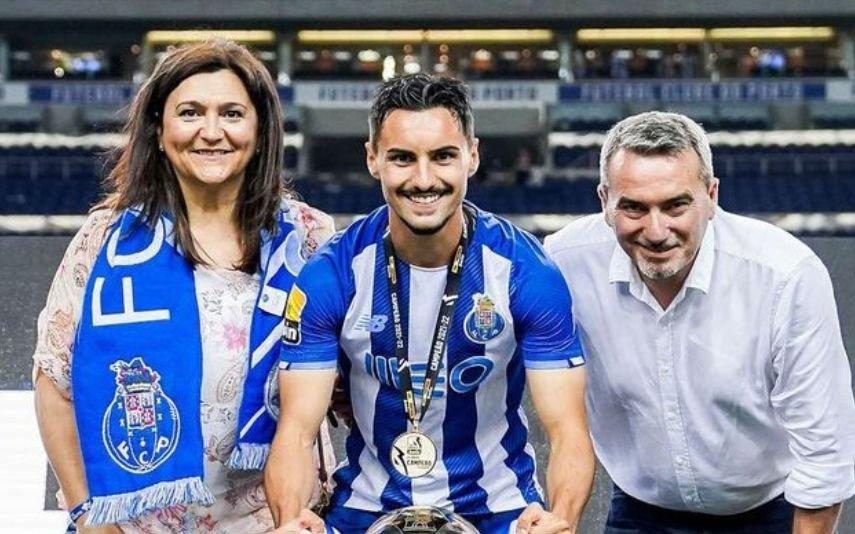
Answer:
(738, 391)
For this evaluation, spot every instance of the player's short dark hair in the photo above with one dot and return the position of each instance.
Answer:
(419, 92)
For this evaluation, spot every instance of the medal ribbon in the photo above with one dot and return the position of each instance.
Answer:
(441, 330)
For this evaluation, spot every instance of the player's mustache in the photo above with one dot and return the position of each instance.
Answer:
(432, 190)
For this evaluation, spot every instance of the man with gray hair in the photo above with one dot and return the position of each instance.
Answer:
(719, 391)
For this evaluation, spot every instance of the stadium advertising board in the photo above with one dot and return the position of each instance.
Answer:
(358, 94)
(695, 91)
(840, 91)
(81, 93)
(13, 94)
(347, 94)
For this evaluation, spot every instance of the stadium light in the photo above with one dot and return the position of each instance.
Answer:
(640, 35)
(689, 35)
(806, 33)
(318, 37)
(165, 37)
(431, 36)
(492, 35)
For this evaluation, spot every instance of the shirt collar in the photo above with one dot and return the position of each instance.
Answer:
(701, 273)
(621, 268)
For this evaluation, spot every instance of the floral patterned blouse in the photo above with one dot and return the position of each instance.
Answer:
(226, 299)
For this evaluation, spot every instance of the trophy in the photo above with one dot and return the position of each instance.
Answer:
(421, 520)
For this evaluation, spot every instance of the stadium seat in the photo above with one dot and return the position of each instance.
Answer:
(832, 115)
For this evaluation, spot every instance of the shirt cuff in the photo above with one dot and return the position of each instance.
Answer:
(298, 366)
(553, 362)
(818, 486)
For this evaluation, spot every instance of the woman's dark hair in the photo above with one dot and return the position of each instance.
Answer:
(142, 175)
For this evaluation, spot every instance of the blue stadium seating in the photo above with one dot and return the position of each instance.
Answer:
(755, 180)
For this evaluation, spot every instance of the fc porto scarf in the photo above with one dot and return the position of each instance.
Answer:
(137, 369)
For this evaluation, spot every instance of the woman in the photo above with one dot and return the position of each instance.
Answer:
(169, 298)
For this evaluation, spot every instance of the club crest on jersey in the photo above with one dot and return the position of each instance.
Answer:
(141, 426)
(483, 322)
(293, 311)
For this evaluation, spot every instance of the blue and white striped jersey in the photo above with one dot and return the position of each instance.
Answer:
(513, 313)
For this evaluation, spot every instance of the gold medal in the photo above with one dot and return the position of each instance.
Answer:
(413, 454)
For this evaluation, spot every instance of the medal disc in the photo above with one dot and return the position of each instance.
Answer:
(413, 454)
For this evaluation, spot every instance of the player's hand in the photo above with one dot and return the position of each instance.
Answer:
(306, 523)
(536, 520)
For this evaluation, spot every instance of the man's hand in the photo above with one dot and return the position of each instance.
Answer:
(536, 520)
(305, 523)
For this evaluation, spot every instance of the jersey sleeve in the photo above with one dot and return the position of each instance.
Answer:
(313, 316)
(542, 310)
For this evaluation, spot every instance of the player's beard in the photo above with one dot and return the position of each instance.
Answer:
(657, 272)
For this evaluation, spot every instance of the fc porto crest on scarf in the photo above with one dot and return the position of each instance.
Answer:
(141, 426)
(483, 322)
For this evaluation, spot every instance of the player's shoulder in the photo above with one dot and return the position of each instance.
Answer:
(502, 242)
(758, 242)
(359, 235)
(505, 239)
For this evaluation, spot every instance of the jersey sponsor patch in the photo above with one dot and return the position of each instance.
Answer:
(483, 322)
(293, 311)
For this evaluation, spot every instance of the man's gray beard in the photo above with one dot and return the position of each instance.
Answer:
(652, 272)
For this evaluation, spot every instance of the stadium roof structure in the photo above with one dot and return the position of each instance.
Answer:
(569, 13)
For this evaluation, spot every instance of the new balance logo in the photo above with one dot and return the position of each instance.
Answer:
(371, 323)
